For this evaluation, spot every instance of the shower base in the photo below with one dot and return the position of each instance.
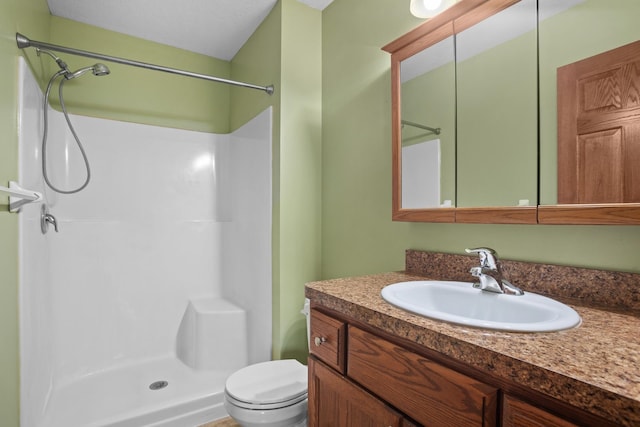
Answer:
(155, 393)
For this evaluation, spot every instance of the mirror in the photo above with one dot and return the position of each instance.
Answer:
(428, 127)
(571, 31)
(493, 80)
(497, 109)
(568, 30)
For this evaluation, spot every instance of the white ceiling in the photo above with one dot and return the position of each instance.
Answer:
(216, 28)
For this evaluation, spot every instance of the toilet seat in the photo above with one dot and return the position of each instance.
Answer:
(268, 385)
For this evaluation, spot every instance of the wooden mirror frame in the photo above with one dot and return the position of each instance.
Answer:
(457, 18)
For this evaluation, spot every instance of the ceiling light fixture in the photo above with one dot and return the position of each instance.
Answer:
(429, 8)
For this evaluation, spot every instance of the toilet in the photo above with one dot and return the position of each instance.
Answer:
(269, 394)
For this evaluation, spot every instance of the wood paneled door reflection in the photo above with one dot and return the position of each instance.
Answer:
(599, 128)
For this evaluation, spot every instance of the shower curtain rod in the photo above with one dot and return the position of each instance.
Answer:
(418, 125)
(24, 42)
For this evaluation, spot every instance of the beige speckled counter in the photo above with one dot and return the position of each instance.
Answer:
(595, 367)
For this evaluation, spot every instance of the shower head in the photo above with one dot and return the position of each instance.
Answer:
(96, 69)
(101, 70)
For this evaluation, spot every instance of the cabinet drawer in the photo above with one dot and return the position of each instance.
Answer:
(516, 413)
(432, 394)
(328, 340)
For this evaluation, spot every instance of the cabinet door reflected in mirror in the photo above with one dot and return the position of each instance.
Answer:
(428, 127)
(497, 119)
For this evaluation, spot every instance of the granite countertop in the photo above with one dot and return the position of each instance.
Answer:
(595, 367)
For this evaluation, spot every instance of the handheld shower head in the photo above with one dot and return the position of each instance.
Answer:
(96, 69)
(101, 70)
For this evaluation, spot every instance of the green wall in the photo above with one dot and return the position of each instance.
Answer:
(139, 95)
(358, 236)
(31, 17)
(286, 51)
(300, 180)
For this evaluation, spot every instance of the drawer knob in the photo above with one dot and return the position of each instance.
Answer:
(319, 340)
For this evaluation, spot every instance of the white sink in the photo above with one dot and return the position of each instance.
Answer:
(461, 303)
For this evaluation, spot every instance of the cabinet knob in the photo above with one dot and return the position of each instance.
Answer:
(319, 340)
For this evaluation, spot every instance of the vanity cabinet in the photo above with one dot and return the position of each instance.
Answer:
(334, 400)
(359, 376)
(380, 381)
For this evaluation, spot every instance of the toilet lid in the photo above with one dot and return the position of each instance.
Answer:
(268, 383)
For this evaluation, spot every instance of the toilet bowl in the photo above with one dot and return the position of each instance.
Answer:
(269, 394)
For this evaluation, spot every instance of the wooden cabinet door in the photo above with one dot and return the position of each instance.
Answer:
(334, 401)
(519, 414)
(426, 391)
(599, 128)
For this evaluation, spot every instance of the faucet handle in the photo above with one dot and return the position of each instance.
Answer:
(47, 219)
(488, 257)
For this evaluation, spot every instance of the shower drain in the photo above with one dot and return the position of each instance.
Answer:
(158, 385)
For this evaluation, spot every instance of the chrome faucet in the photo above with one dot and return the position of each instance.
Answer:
(489, 273)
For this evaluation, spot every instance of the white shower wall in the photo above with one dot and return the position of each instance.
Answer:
(169, 215)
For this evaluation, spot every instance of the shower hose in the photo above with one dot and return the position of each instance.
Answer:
(73, 132)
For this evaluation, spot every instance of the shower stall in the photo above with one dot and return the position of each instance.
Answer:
(157, 284)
